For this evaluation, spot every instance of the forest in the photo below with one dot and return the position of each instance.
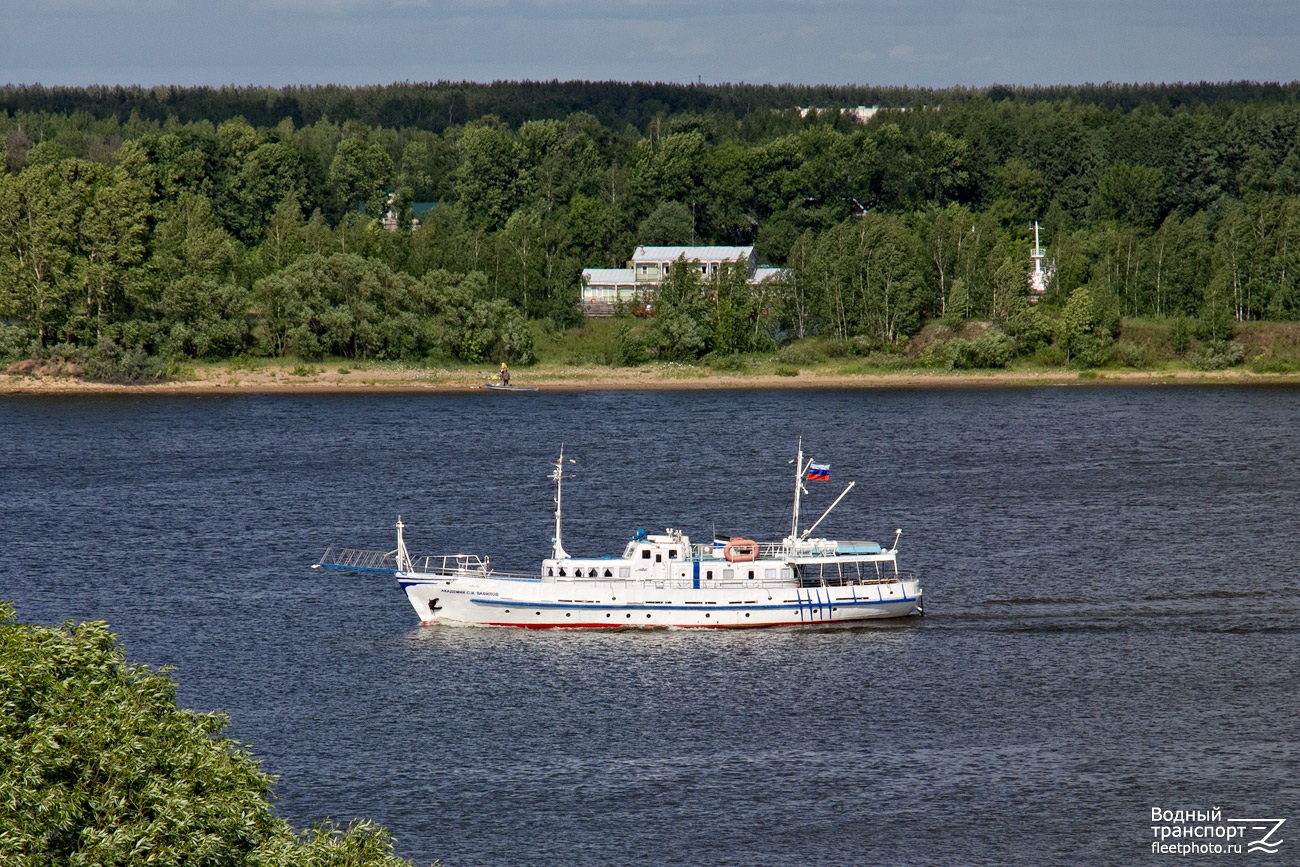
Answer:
(140, 228)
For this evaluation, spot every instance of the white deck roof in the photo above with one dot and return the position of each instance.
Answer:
(609, 276)
(691, 254)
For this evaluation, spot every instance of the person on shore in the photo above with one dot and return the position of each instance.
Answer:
(504, 375)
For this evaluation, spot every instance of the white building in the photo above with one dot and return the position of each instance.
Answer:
(604, 288)
(861, 113)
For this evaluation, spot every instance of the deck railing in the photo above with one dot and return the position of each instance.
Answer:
(434, 564)
(779, 551)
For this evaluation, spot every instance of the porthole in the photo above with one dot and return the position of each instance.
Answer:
(607, 614)
(647, 617)
(568, 614)
(707, 614)
(539, 614)
(746, 613)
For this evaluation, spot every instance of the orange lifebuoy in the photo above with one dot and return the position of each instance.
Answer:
(739, 550)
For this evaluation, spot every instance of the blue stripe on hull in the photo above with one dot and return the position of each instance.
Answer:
(597, 606)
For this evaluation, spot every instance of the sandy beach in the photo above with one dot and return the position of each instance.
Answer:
(337, 378)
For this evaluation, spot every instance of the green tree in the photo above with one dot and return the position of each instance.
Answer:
(670, 224)
(866, 278)
(113, 233)
(37, 231)
(99, 766)
(267, 177)
(680, 331)
(361, 174)
(201, 302)
(1130, 194)
(470, 327)
(484, 182)
(71, 233)
(670, 169)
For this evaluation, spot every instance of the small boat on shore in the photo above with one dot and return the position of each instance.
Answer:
(660, 579)
(501, 386)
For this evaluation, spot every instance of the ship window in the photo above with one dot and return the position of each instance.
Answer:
(609, 574)
(659, 558)
(769, 574)
(709, 574)
(625, 571)
(672, 555)
(550, 571)
(728, 574)
(593, 573)
(561, 572)
(751, 574)
(645, 554)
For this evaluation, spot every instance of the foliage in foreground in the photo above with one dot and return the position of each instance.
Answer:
(98, 766)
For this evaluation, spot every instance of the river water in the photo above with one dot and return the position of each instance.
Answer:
(1110, 579)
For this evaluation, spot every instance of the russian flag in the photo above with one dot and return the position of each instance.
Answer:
(819, 472)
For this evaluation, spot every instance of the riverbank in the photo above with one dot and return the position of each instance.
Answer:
(335, 378)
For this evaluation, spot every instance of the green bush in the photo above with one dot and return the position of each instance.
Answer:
(109, 362)
(1134, 355)
(730, 363)
(15, 343)
(1091, 350)
(990, 350)
(1050, 355)
(99, 766)
(812, 351)
(634, 345)
(1218, 355)
(1264, 364)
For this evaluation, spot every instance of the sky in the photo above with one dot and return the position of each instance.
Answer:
(914, 43)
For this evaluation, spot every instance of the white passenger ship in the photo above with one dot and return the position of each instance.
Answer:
(660, 580)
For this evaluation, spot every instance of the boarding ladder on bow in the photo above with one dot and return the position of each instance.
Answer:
(356, 560)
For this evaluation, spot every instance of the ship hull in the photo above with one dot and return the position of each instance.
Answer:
(540, 604)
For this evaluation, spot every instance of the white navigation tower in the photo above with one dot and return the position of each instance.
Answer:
(1043, 269)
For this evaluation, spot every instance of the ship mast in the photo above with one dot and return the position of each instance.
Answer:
(557, 476)
(799, 470)
(403, 557)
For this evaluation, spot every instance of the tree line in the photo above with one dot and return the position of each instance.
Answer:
(159, 234)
